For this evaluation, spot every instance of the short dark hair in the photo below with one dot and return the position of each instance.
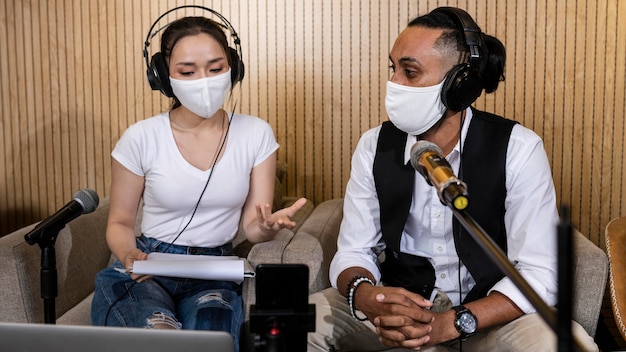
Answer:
(451, 38)
(493, 53)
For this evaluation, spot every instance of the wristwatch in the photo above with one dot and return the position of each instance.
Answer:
(465, 322)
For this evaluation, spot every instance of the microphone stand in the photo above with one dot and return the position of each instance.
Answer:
(564, 313)
(49, 286)
(561, 327)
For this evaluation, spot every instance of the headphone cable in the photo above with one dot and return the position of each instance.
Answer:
(219, 152)
(106, 317)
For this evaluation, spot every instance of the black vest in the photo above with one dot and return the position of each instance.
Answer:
(483, 170)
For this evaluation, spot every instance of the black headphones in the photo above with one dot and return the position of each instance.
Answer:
(157, 70)
(463, 83)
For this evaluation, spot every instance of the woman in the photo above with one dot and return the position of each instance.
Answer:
(198, 171)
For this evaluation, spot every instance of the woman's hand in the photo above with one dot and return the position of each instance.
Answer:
(270, 223)
(129, 260)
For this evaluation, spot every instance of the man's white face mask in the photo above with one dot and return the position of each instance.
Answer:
(414, 110)
(203, 96)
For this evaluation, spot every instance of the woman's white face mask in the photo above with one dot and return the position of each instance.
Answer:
(203, 96)
(414, 110)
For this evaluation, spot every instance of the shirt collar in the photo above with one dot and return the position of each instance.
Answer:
(410, 140)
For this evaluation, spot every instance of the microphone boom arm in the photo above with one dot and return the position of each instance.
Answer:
(427, 159)
(495, 253)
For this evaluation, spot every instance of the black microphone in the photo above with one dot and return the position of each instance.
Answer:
(84, 201)
(427, 158)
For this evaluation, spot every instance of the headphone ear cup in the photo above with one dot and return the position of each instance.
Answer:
(159, 75)
(237, 69)
(461, 87)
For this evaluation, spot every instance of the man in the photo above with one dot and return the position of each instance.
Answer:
(435, 289)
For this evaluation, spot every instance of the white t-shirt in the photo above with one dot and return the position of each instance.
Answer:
(173, 186)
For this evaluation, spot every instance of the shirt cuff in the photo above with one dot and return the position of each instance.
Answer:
(342, 261)
(510, 290)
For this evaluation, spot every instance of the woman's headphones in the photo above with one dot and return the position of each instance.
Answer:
(463, 84)
(157, 70)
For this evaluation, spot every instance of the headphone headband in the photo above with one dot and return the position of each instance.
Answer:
(157, 73)
(463, 84)
(226, 24)
(471, 32)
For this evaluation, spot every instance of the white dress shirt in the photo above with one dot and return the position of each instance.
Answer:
(531, 218)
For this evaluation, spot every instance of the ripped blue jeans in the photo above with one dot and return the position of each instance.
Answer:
(181, 303)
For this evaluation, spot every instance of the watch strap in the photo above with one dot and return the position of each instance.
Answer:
(459, 308)
(460, 311)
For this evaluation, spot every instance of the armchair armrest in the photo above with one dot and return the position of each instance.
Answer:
(589, 283)
(323, 224)
(286, 248)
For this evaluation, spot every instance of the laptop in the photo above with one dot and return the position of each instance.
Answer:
(74, 338)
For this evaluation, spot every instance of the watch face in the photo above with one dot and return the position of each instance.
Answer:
(467, 323)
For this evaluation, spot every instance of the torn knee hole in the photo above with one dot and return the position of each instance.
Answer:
(213, 296)
(162, 321)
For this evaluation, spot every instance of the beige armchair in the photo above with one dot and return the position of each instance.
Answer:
(82, 252)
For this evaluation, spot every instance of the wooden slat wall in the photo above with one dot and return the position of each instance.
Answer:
(72, 78)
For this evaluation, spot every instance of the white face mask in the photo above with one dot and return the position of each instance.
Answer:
(203, 96)
(414, 110)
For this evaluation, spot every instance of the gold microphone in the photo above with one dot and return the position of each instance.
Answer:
(427, 158)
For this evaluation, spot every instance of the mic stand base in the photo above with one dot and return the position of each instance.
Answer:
(48, 279)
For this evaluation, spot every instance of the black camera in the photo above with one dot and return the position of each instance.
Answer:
(282, 315)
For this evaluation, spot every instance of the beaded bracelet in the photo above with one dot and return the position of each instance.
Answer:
(349, 286)
(356, 282)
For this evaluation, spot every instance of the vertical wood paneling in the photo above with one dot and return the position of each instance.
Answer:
(617, 97)
(37, 158)
(599, 112)
(8, 203)
(338, 113)
(72, 78)
(9, 133)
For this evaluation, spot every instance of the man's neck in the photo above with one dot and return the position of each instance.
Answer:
(447, 133)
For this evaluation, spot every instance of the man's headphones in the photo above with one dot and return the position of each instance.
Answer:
(463, 83)
(157, 70)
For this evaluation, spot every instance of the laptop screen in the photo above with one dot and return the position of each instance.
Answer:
(70, 338)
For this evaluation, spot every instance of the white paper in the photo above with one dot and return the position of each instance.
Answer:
(225, 268)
